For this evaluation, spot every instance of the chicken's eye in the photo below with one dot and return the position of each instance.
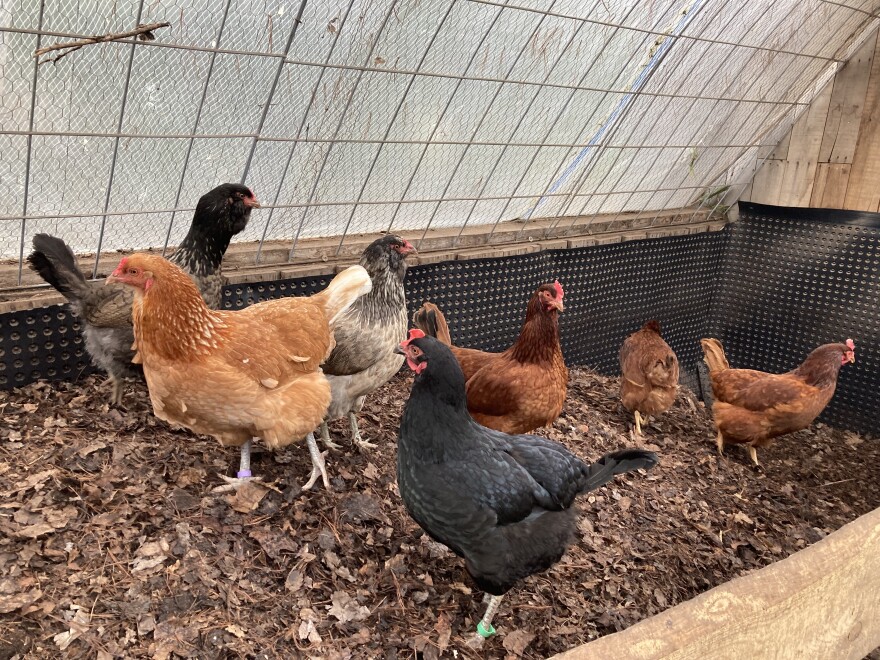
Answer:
(132, 271)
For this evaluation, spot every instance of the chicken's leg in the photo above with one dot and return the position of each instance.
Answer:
(484, 627)
(244, 474)
(356, 434)
(116, 389)
(719, 442)
(638, 418)
(319, 468)
(325, 437)
(753, 455)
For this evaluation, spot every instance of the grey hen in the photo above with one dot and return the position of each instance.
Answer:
(368, 334)
(106, 310)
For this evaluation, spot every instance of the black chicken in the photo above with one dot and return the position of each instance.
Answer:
(502, 502)
(106, 310)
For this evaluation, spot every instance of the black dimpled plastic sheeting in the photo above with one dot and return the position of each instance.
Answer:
(793, 279)
(236, 296)
(772, 287)
(610, 291)
(41, 343)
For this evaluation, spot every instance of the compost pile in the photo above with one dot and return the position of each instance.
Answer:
(113, 544)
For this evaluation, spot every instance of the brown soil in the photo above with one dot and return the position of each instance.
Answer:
(113, 544)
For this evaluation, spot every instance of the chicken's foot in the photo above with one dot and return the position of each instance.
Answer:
(319, 468)
(325, 437)
(356, 433)
(484, 628)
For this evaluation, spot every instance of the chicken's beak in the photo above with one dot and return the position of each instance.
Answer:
(399, 350)
(852, 358)
(557, 304)
(113, 278)
(408, 248)
(251, 202)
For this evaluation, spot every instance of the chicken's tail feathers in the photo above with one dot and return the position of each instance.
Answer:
(55, 262)
(430, 320)
(344, 290)
(617, 462)
(713, 354)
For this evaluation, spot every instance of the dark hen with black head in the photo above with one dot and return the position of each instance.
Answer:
(502, 502)
(106, 310)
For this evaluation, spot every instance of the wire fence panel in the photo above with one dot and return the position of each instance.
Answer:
(352, 116)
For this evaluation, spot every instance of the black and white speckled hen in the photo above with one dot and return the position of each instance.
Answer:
(106, 310)
(368, 334)
(502, 502)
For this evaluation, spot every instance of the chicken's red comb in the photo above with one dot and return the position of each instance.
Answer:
(559, 292)
(850, 344)
(415, 333)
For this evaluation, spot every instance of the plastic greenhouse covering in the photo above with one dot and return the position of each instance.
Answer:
(358, 116)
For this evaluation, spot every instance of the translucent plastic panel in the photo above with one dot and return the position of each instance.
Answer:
(395, 113)
(16, 75)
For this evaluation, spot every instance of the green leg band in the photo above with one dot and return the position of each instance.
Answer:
(483, 631)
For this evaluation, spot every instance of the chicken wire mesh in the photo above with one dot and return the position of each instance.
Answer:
(359, 115)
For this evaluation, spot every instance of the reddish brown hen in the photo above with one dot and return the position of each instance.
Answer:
(648, 373)
(522, 388)
(753, 407)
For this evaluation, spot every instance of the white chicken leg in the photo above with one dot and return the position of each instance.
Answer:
(319, 468)
(244, 474)
(484, 627)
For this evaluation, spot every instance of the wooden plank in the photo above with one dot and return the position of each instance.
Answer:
(847, 103)
(830, 187)
(780, 151)
(862, 192)
(820, 603)
(803, 152)
(768, 181)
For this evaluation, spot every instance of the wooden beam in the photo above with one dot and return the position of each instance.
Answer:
(821, 602)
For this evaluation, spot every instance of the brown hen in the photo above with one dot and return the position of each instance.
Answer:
(753, 407)
(648, 373)
(522, 388)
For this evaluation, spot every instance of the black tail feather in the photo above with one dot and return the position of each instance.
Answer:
(55, 262)
(617, 462)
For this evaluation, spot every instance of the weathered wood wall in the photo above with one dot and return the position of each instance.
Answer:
(822, 603)
(831, 157)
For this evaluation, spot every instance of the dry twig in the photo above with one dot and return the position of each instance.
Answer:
(144, 32)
